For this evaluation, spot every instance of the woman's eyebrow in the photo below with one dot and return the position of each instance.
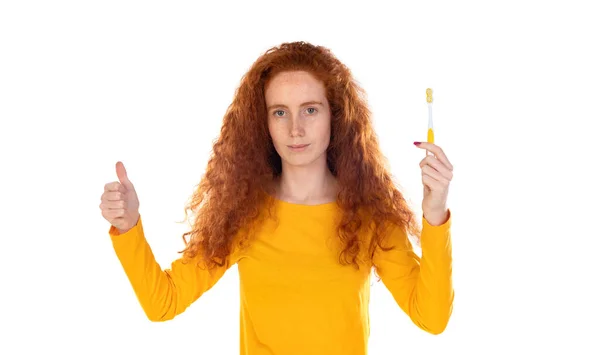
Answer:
(304, 104)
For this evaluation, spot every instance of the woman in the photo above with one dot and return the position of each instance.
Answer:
(297, 194)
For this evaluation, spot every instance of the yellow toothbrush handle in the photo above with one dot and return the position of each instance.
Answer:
(430, 136)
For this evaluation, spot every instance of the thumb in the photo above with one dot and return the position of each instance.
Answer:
(122, 175)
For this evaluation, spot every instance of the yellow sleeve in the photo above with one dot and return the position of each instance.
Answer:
(163, 294)
(422, 287)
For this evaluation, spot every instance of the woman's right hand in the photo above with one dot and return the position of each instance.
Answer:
(119, 202)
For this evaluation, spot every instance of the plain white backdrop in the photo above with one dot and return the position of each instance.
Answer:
(86, 84)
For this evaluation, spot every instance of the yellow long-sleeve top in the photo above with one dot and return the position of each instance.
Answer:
(295, 296)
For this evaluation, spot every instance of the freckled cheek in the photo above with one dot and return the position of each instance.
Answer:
(279, 135)
(324, 132)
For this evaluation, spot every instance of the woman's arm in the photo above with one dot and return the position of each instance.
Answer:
(422, 287)
(163, 294)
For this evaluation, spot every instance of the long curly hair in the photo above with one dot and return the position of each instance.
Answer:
(237, 183)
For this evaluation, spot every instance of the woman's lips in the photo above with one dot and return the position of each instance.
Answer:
(298, 147)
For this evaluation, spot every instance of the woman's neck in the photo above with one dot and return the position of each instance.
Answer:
(307, 188)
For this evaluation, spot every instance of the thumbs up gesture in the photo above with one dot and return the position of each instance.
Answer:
(119, 202)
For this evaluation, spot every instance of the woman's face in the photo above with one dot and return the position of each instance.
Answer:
(298, 114)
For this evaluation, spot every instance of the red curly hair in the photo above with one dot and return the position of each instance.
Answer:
(237, 183)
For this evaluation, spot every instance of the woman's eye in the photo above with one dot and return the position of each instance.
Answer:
(280, 113)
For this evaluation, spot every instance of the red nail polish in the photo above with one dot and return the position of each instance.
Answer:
(417, 143)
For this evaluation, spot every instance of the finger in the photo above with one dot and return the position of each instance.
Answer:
(114, 186)
(431, 183)
(112, 214)
(112, 205)
(437, 151)
(113, 196)
(122, 175)
(437, 165)
(436, 175)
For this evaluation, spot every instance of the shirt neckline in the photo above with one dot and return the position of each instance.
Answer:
(327, 206)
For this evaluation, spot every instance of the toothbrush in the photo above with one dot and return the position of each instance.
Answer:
(429, 94)
(429, 98)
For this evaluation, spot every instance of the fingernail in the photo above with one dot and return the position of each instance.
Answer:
(417, 143)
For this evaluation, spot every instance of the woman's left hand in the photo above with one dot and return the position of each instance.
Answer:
(436, 172)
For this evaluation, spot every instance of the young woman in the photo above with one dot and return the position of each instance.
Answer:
(298, 195)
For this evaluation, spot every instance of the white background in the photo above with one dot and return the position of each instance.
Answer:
(85, 84)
